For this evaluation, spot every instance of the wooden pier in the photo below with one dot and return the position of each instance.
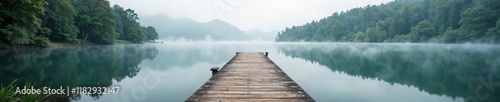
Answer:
(250, 76)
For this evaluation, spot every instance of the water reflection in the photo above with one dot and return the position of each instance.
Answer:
(181, 68)
(450, 70)
(96, 66)
(327, 71)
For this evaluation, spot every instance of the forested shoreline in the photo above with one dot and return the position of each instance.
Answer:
(79, 22)
(442, 21)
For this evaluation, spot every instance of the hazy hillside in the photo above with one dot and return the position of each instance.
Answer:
(447, 21)
(169, 28)
(224, 30)
(261, 35)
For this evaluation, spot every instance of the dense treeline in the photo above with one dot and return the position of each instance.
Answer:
(39, 22)
(447, 21)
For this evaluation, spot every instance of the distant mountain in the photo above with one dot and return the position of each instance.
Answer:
(169, 28)
(261, 35)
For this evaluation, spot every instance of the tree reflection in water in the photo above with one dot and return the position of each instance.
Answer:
(94, 66)
(451, 70)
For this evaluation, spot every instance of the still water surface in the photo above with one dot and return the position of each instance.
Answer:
(345, 72)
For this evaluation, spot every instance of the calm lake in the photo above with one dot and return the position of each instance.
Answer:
(345, 72)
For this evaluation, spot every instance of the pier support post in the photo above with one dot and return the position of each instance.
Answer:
(214, 70)
(267, 53)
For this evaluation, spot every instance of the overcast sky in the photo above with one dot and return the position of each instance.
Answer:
(267, 15)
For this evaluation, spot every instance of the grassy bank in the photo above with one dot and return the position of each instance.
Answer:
(7, 94)
(122, 42)
(62, 44)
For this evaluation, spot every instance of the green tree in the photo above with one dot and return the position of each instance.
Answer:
(60, 19)
(129, 27)
(494, 33)
(422, 32)
(476, 20)
(360, 36)
(337, 31)
(151, 33)
(95, 21)
(118, 11)
(450, 36)
(371, 35)
(19, 23)
(400, 24)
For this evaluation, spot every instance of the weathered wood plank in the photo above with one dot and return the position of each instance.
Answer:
(253, 100)
(250, 76)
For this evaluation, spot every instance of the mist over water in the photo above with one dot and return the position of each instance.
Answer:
(208, 39)
(451, 70)
(173, 70)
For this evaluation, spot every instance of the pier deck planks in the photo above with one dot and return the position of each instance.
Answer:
(250, 76)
